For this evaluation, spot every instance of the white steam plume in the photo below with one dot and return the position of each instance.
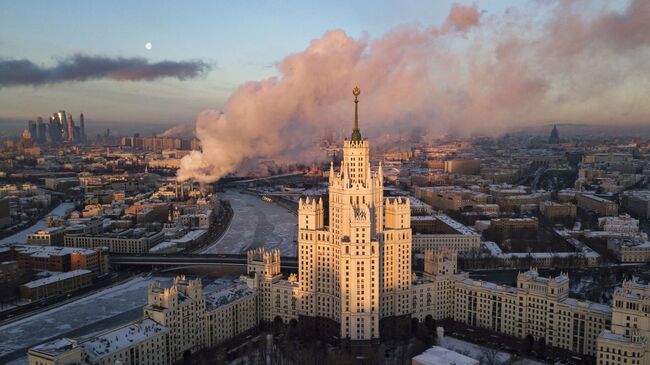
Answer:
(475, 73)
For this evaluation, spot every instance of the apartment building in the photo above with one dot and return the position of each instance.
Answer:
(451, 198)
(557, 212)
(630, 250)
(441, 231)
(52, 236)
(60, 259)
(626, 343)
(538, 307)
(637, 203)
(596, 204)
(178, 321)
(129, 241)
(57, 284)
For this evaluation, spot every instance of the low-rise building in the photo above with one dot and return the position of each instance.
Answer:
(463, 166)
(129, 241)
(5, 212)
(441, 231)
(622, 224)
(521, 202)
(52, 236)
(9, 271)
(557, 212)
(514, 227)
(450, 197)
(596, 204)
(637, 203)
(61, 183)
(62, 351)
(60, 259)
(56, 284)
(630, 250)
(487, 209)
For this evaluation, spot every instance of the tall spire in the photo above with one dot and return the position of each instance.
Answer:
(356, 134)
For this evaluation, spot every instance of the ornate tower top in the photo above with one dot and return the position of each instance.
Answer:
(356, 134)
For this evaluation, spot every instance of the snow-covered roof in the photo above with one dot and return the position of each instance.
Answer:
(56, 277)
(489, 285)
(163, 246)
(534, 275)
(55, 347)
(191, 236)
(415, 202)
(222, 297)
(587, 304)
(459, 227)
(121, 338)
(596, 198)
(609, 335)
(49, 230)
(437, 355)
(47, 251)
(494, 249)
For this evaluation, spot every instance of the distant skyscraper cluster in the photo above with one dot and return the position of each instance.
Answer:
(554, 138)
(60, 128)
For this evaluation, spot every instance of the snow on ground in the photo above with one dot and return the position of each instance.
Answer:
(21, 237)
(478, 352)
(80, 317)
(6, 306)
(256, 223)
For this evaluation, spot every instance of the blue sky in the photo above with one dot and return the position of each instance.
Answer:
(242, 39)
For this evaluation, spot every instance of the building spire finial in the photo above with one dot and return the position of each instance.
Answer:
(356, 134)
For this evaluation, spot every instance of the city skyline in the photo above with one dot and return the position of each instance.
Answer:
(251, 51)
(429, 182)
(250, 42)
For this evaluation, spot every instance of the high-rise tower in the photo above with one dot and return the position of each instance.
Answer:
(554, 138)
(82, 128)
(42, 130)
(71, 129)
(356, 270)
(63, 122)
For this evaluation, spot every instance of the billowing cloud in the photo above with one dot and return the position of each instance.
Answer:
(184, 130)
(82, 68)
(473, 74)
(463, 17)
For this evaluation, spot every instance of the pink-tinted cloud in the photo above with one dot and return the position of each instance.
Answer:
(472, 74)
(463, 17)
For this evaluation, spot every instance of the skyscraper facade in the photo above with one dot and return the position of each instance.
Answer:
(71, 129)
(42, 130)
(554, 138)
(82, 128)
(62, 122)
(356, 270)
(33, 129)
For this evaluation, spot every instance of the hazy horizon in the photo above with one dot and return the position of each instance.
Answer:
(263, 79)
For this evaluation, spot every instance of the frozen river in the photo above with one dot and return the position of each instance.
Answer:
(21, 237)
(100, 311)
(256, 223)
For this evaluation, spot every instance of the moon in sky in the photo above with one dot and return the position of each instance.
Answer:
(148, 46)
